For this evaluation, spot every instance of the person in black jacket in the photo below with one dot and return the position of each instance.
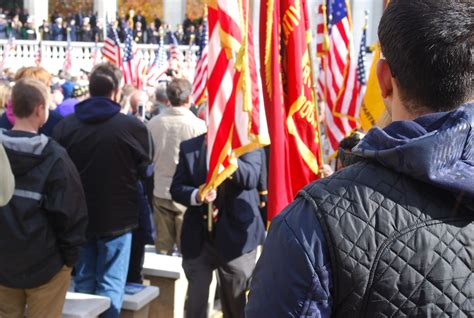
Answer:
(44, 224)
(112, 152)
(390, 235)
(237, 231)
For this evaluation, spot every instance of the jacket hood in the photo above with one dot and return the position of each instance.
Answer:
(25, 151)
(436, 148)
(96, 109)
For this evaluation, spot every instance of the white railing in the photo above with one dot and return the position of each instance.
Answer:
(25, 52)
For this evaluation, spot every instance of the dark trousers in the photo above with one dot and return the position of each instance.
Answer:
(137, 256)
(233, 276)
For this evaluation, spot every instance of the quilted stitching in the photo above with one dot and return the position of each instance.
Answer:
(362, 207)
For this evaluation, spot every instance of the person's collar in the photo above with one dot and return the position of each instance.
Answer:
(178, 110)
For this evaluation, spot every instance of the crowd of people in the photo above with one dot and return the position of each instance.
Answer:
(90, 28)
(91, 171)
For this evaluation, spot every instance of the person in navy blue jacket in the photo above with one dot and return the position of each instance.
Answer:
(238, 229)
(392, 234)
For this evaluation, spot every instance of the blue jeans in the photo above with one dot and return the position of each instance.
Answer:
(102, 270)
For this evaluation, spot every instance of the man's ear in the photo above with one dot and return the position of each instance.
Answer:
(116, 95)
(38, 109)
(384, 76)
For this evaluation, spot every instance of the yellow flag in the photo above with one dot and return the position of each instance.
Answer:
(373, 107)
(373, 110)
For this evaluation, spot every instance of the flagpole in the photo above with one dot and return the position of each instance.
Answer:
(209, 217)
(321, 158)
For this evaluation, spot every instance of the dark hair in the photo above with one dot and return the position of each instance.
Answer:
(352, 140)
(104, 79)
(27, 94)
(428, 46)
(178, 91)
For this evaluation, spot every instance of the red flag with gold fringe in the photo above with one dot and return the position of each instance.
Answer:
(295, 153)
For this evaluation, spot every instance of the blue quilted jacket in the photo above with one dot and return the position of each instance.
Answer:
(411, 169)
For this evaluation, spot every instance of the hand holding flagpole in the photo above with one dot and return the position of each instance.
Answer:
(208, 199)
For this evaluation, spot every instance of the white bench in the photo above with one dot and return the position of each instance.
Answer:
(167, 273)
(138, 305)
(79, 305)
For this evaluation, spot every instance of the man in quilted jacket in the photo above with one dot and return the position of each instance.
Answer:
(391, 235)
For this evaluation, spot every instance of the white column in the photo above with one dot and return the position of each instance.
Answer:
(375, 9)
(106, 10)
(38, 10)
(173, 12)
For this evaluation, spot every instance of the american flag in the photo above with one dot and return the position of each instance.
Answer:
(111, 50)
(201, 76)
(7, 51)
(129, 64)
(322, 39)
(67, 59)
(38, 55)
(95, 55)
(176, 58)
(190, 63)
(159, 66)
(337, 85)
(322, 47)
(361, 81)
(237, 122)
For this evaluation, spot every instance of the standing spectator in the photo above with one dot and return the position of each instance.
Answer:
(130, 19)
(5, 92)
(93, 20)
(57, 30)
(157, 22)
(392, 235)
(187, 22)
(43, 226)
(54, 16)
(7, 121)
(169, 129)
(144, 233)
(127, 92)
(152, 34)
(237, 229)
(161, 100)
(139, 34)
(87, 33)
(65, 29)
(137, 99)
(139, 18)
(78, 17)
(73, 30)
(99, 31)
(28, 31)
(16, 26)
(45, 31)
(121, 26)
(67, 106)
(179, 34)
(3, 27)
(24, 15)
(112, 152)
(190, 35)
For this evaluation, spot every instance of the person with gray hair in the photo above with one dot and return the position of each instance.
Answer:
(174, 125)
(161, 101)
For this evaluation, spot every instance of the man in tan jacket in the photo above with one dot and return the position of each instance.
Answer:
(174, 125)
